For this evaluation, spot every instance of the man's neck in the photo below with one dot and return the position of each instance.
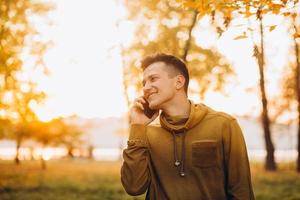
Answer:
(181, 107)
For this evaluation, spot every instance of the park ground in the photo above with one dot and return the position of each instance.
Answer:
(95, 180)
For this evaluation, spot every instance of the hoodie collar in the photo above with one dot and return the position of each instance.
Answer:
(197, 113)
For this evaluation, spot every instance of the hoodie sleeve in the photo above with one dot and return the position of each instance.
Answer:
(135, 175)
(238, 176)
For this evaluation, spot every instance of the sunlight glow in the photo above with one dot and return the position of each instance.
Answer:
(243, 97)
(55, 153)
(47, 155)
(111, 154)
(84, 62)
(86, 67)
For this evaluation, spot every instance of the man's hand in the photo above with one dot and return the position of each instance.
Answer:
(136, 113)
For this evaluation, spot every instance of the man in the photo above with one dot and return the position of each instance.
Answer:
(195, 154)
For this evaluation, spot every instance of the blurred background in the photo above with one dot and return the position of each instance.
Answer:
(69, 71)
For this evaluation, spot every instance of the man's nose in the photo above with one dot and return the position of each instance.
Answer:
(146, 88)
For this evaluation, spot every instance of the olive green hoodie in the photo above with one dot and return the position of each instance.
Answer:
(203, 159)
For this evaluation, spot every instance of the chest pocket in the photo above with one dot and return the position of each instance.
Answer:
(204, 153)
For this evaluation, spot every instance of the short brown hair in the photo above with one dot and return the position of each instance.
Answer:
(170, 60)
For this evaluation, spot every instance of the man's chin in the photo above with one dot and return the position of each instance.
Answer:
(153, 106)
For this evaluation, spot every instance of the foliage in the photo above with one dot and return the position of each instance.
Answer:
(46, 132)
(286, 102)
(246, 9)
(161, 26)
(228, 10)
(19, 43)
(17, 35)
(70, 137)
(18, 40)
(57, 132)
(22, 114)
(5, 127)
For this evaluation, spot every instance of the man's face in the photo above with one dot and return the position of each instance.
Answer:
(158, 85)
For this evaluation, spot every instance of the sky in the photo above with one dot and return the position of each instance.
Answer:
(86, 72)
(85, 68)
(243, 95)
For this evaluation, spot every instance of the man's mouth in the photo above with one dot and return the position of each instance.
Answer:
(151, 95)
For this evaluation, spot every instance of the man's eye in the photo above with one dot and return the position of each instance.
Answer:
(153, 79)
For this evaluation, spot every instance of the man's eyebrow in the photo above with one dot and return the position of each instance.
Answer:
(151, 75)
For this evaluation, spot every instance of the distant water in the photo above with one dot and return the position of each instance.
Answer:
(280, 155)
(105, 134)
(8, 153)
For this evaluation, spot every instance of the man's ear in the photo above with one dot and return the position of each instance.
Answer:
(180, 81)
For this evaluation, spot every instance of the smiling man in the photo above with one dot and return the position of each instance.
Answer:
(195, 153)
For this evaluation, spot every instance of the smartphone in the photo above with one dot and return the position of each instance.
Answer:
(148, 111)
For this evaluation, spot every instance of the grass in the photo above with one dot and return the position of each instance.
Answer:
(62, 180)
(283, 184)
(91, 180)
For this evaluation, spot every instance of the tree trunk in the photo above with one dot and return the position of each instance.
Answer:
(90, 152)
(31, 149)
(70, 151)
(270, 164)
(297, 92)
(188, 42)
(43, 162)
(18, 145)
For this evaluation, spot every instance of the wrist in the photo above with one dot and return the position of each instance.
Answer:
(138, 122)
(138, 132)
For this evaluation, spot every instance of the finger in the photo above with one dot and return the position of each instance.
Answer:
(139, 105)
(143, 100)
(140, 100)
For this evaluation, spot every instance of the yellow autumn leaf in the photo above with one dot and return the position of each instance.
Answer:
(296, 35)
(247, 12)
(240, 37)
(200, 15)
(276, 8)
(272, 28)
(190, 4)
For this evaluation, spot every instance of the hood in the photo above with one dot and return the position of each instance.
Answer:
(198, 112)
